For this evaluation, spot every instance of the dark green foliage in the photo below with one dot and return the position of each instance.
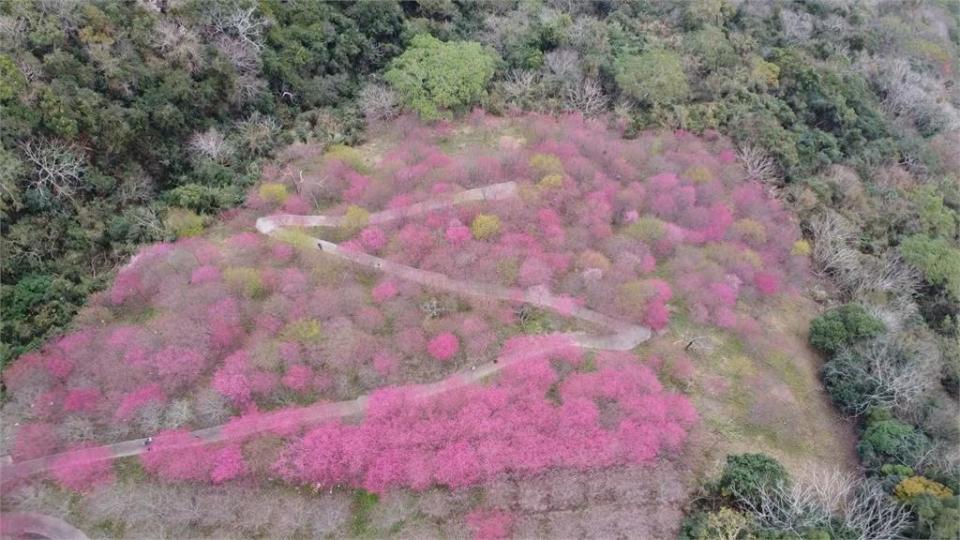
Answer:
(33, 305)
(843, 326)
(317, 51)
(841, 112)
(891, 441)
(745, 475)
(850, 393)
(694, 526)
(124, 89)
(936, 517)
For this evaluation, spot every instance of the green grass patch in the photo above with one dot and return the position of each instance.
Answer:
(789, 374)
(129, 469)
(363, 503)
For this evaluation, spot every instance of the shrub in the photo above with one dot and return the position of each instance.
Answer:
(546, 164)
(891, 441)
(551, 181)
(84, 469)
(132, 402)
(273, 192)
(432, 76)
(179, 363)
(936, 258)
(298, 377)
(843, 326)
(484, 226)
(647, 228)
(422, 442)
(884, 372)
(383, 291)
(699, 174)
(850, 393)
(745, 476)
(295, 238)
(766, 282)
(801, 248)
(915, 486)
(200, 198)
(176, 456)
(183, 223)
(935, 218)
(654, 77)
(355, 219)
(228, 464)
(751, 231)
(33, 440)
(373, 238)
(938, 517)
(444, 346)
(303, 331)
(725, 523)
(245, 280)
(349, 155)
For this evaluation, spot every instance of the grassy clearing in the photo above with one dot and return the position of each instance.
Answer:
(763, 395)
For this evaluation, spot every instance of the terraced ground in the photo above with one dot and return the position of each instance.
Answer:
(458, 348)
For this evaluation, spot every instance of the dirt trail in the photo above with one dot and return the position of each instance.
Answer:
(33, 525)
(622, 336)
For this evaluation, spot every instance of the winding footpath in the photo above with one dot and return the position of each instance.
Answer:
(33, 525)
(620, 336)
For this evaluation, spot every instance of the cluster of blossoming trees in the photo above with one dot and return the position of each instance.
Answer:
(203, 330)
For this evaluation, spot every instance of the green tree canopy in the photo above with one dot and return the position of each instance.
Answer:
(654, 77)
(433, 76)
(936, 258)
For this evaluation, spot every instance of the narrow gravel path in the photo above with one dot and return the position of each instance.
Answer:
(33, 525)
(621, 336)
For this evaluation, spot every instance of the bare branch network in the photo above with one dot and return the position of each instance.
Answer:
(57, 167)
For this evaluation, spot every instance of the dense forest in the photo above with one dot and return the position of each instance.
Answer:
(125, 123)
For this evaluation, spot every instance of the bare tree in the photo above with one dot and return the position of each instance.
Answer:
(910, 94)
(586, 97)
(901, 374)
(147, 220)
(823, 498)
(886, 274)
(136, 185)
(76, 429)
(211, 408)
(257, 133)
(242, 23)
(833, 250)
(244, 56)
(562, 67)
(57, 168)
(211, 144)
(13, 31)
(797, 26)
(378, 102)
(246, 88)
(179, 44)
(519, 87)
(874, 514)
(759, 165)
(177, 414)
